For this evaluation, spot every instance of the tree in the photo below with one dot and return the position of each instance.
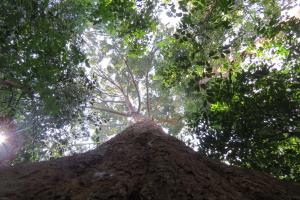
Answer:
(241, 83)
(71, 67)
(42, 74)
(142, 162)
(39, 73)
(125, 87)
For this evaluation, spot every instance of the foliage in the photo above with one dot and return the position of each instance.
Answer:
(42, 69)
(126, 90)
(78, 68)
(253, 121)
(43, 79)
(241, 77)
(42, 84)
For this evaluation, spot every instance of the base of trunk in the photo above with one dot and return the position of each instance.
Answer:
(140, 163)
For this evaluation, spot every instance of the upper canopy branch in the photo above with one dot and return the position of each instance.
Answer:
(119, 87)
(134, 83)
(129, 70)
(110, 111)
(152, 53)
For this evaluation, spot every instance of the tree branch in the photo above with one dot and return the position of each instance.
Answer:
(107, 94)
(134, 83)
(110, 111)
(103, 75)
(147, 93)
(13, 84)
(112, 101)
(119, 87)
(153, 50)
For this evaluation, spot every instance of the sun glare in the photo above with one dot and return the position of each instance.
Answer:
(2, 138)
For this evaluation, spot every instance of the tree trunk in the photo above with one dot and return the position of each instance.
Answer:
(140, 163)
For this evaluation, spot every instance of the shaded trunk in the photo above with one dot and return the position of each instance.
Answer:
(140, 163)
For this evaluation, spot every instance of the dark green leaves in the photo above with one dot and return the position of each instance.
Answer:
(241, 76)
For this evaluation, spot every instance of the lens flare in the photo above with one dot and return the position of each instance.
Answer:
(2, 138)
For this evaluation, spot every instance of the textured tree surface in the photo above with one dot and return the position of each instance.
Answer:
(142, 162)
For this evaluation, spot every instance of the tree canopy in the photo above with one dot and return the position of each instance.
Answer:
(241, 83)
(222, 75)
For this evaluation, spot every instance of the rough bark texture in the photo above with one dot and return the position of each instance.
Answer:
(140, 163)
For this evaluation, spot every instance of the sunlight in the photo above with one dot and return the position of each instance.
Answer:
(3, 138)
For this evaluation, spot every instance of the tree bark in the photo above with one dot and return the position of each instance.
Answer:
(140, 163)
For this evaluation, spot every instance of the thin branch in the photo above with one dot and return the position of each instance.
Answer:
(153, 50)
(134, 83)
(103, 75)
(147, 92)
(110, 111)
(106, 102)
(125, 94)
(112, 101)
(132, 78)
(119, 87)
(107, 94)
